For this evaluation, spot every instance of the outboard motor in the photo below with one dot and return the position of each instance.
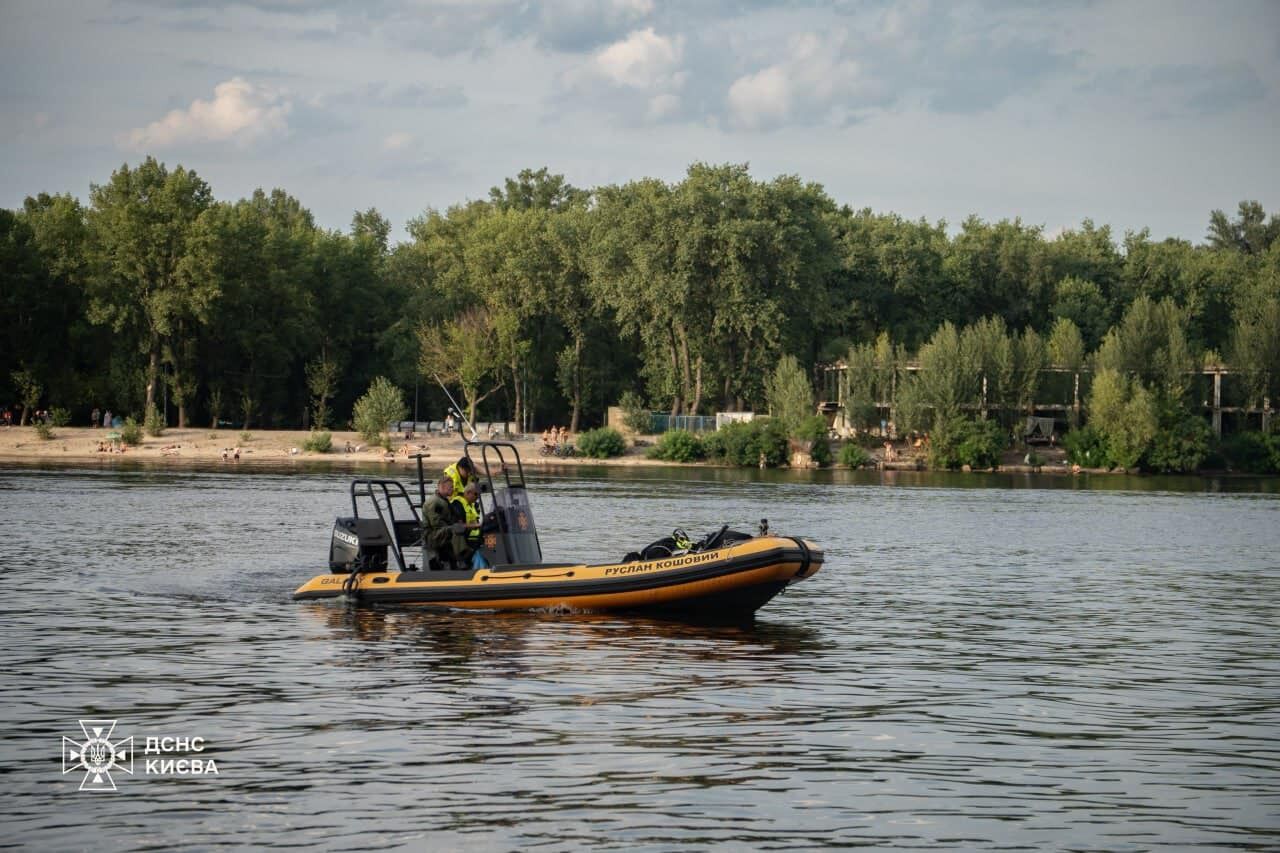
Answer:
(358, 544)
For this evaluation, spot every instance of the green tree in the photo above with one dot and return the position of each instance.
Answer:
(715, 277)
(1088, 253)
(1180, 443)
(458, 352)
(1124, 413)
(1031, 356)
(910, 407)
(1066, 345)
(991, 352)
(635, 413)
(29, 393)
(998, 269)
(789, 394)
(1084, 304)
(1250, 232)
(1255, 348)
(46, 322)
(859, 385)
(1151, 342)
(572, 303)
(890, 277)
(139, 226)
(949, 376)
(372, 226)
(537, 190)
(322, 380)
(382, 405)
(633, 273)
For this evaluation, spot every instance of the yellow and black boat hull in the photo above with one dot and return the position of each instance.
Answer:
(728, 582)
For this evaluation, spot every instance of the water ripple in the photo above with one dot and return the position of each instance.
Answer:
(1035, 666)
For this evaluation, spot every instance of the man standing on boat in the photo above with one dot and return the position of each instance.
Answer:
(445, 535)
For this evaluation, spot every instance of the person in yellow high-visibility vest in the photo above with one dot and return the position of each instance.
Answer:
(462, 472)
(467, 510)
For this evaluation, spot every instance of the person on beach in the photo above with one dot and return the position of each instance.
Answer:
(106, 419)
(94, 418)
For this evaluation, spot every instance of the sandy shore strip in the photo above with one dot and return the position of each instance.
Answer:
(206, 446)
(259, 446)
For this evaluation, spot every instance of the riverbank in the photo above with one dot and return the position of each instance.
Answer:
(284, 446)
(256, 446)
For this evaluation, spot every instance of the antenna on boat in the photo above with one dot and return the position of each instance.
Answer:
(457, 408)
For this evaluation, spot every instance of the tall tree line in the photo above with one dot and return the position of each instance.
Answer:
(545, 302)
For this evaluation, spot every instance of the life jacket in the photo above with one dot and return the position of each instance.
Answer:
(471, 515)
(459, 484)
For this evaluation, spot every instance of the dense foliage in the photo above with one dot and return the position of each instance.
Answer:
(131, 432)
(853, 455)
(1252, 453)
(678, 445)
(636, 415)
(812, 431)
(975, 442)
(380, 407)
(603, 443)
(318, 442)
(545, 303)
(762, 441)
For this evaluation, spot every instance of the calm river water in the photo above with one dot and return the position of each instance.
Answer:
(983, 662)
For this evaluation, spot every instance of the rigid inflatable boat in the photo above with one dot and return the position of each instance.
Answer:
(726, 575)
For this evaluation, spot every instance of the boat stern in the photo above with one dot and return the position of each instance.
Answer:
(321, 586)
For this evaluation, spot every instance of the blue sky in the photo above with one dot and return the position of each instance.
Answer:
(1130, 113)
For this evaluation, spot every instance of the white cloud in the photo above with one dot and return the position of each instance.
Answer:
(817, 82)
(643, 60)
(240, 112)
(662, 106)
(397, 141)
(761, 98)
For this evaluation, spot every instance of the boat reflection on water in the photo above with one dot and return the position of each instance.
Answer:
(479, 667)
(446, 636)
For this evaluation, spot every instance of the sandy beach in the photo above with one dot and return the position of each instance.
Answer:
(283, 447)
(262, 446)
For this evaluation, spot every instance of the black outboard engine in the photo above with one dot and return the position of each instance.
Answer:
(358, 544)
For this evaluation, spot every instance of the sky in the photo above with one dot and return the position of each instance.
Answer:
(1132, 114)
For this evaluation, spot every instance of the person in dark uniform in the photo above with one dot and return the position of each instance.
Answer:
(446, 534)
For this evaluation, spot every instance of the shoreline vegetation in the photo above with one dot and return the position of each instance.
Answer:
(675, 302)
(284, 447)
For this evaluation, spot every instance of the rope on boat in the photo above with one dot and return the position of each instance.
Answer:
(351, 586)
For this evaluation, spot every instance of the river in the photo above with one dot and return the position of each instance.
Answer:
(983, 662)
